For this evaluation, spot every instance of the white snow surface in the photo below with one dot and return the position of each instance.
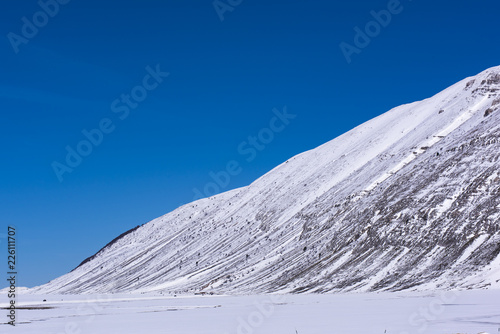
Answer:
(449, 312)
(406, 201)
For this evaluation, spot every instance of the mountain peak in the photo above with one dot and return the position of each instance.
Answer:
(407, 200)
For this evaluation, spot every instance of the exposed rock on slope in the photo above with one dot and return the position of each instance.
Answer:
(408, 200)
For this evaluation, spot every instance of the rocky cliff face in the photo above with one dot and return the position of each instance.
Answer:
(408, 200)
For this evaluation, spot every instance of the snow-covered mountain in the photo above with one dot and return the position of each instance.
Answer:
(408, 200)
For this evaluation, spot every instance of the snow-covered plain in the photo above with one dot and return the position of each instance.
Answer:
(448, 312)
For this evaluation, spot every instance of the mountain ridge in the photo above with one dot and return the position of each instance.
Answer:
(407, 200)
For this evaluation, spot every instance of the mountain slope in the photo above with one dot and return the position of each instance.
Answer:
(410, 199)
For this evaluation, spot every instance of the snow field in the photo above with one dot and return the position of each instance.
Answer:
(447, 312)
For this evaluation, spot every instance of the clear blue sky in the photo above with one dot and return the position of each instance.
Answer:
(225, 79)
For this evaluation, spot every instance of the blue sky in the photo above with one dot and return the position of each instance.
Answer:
(225, 78)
